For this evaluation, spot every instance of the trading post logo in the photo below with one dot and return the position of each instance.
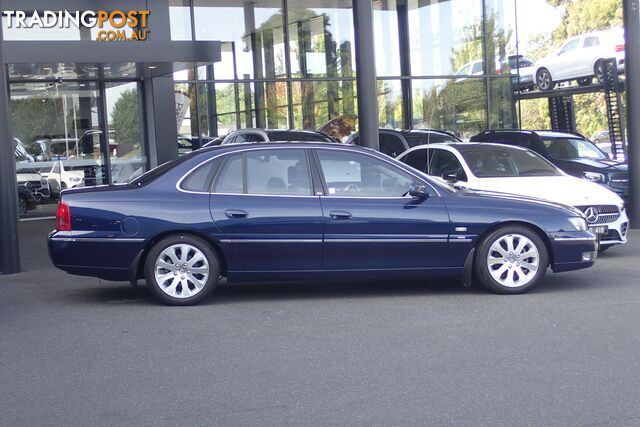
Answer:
(116, 25)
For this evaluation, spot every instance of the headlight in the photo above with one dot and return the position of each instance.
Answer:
(580, 224)
(594, 176)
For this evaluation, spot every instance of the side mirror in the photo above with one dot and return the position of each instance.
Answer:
(418, 191)
(451, 177)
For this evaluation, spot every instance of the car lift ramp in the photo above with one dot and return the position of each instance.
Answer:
(562, 113)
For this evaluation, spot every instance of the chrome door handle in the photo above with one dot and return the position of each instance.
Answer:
(340, 215)
(235, 213)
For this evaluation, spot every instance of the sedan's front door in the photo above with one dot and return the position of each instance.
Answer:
(263, 203)
(371, 223)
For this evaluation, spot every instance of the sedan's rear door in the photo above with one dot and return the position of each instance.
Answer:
(262, 201)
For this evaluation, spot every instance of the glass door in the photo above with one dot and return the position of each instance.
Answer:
(58, 141)
(125, 131)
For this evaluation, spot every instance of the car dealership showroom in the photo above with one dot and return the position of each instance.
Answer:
(320, 212)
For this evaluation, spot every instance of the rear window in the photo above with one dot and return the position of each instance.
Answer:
(200, 179)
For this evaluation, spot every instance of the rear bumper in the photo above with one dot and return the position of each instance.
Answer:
(573, 250)
(106, 258)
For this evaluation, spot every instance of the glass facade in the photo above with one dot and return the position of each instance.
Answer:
(288, 66)
(281, 67)
(455, 65)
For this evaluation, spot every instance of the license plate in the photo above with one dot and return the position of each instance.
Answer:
(599, 230)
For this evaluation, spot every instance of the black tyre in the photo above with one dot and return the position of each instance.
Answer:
(599, 72)
(511, 260)
(181, 270)
(585, 81)
(22, 205)
(544, 80)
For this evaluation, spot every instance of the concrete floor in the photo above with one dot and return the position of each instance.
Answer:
(75, 351)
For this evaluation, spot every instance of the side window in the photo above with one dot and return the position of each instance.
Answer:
(391, 145)
(591, 41)
(446, 163)
(478, 68)
(417, 159)
(230, 179)
(280, 172)
(571, 45)
(200, 179)
(349, 174)
(464, 70)
(185, 143)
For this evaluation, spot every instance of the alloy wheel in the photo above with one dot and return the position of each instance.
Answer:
(181, 271)
(513, 260)
(544, 80)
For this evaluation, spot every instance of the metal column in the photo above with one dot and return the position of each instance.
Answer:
(9, 249)
(632, 71)
(366, 74)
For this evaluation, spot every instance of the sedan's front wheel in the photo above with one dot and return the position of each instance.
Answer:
(181, 270)
(511, 260)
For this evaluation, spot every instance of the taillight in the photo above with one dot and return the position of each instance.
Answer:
(63, 217)
(620, 48)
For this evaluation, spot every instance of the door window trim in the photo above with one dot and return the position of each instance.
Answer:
(326, 194)
(242, 153)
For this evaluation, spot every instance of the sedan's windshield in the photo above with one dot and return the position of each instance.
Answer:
(572, 148)
(507, 162)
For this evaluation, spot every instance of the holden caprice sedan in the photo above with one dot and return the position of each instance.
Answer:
(308, 212)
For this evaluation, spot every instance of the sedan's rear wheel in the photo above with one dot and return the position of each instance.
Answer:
(511, 260)
(182, 270)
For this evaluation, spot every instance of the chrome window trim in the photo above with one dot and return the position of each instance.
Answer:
(402, 167)
(348, 149)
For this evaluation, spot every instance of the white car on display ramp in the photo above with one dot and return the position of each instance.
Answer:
(580, 58)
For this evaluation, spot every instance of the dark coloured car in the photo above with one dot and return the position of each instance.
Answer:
(274, 135)
(395, 142)
(26, 200)
(187, 144)
(308, 211)
(571, 152)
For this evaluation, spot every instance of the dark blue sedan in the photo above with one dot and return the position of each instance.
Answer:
(308, 211)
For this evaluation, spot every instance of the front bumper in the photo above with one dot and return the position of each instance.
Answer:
(617, 233)
(573, 250)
